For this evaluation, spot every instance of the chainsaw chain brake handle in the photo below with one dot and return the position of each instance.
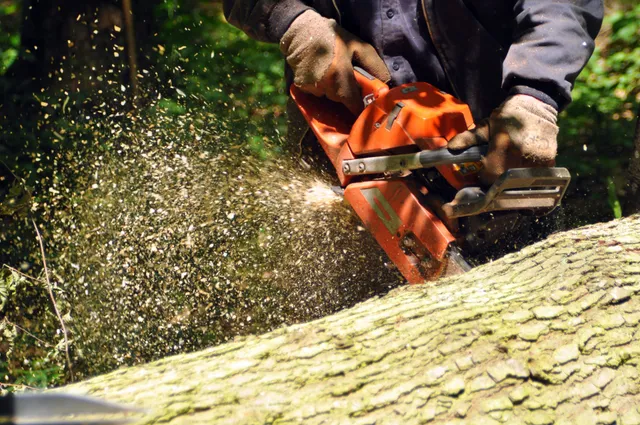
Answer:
(539, 190)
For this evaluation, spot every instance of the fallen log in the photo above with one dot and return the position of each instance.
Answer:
(548, 335)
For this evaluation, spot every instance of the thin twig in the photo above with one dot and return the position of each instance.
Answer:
(53, 300)
(3, 384)
(7, 167)
(35, 279)
(27, 332)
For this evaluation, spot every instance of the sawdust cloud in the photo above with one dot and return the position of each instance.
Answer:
(178, 238)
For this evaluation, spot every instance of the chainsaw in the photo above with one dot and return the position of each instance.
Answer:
(422, 202)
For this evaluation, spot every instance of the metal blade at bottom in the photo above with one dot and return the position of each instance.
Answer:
(456, 264)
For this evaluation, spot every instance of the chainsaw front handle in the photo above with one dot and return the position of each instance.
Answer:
(412, 161)
(539, 190)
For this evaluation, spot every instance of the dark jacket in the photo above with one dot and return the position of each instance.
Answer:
(488, 48)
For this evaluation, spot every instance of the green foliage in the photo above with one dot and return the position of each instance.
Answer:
(9, 37)
(35, 374)
(206, 59)
(17, 201)
(614, 202)
(217, 62)
(597, 129)
(25, 359)
(8, 282)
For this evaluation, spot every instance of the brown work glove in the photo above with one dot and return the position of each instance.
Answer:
(322, 56)
(522, 132)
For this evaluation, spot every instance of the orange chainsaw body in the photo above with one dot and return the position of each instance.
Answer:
(405, 119)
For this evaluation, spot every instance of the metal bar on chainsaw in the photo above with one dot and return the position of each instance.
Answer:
(411, 161)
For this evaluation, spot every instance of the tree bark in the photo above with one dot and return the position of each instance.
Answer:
(547, 335)
(634, 170)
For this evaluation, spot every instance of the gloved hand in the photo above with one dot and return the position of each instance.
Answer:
(521, 132)
(322, 55)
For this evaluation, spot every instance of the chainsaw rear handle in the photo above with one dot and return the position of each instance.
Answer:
(412, 161)
(535, 189)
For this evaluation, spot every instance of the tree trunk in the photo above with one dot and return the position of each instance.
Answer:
(75, 46)
(66, 44)
(634, 170)
(547, 335)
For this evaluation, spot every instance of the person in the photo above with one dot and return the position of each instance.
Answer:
(514, 62)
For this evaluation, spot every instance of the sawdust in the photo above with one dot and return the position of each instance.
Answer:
(178, 238)
(320, 194)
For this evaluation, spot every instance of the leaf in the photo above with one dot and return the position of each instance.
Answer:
(8, 283)
(17, 201)
(614, 202)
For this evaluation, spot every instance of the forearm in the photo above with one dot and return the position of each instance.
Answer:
(553, 40)
(264, 20)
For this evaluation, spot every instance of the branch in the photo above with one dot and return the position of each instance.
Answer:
(53, 300)
(131, 46)
(46, 344)
(4, 384)
(26, 276)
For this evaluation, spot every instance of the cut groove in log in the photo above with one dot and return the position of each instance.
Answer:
(547, 335)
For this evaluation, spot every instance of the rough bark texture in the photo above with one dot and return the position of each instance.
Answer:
(547, 335)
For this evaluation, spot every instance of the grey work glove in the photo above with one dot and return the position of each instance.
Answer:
(322, 55)
(521, 132)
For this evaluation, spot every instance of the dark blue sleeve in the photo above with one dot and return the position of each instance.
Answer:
(264, 20)
(552, 42)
